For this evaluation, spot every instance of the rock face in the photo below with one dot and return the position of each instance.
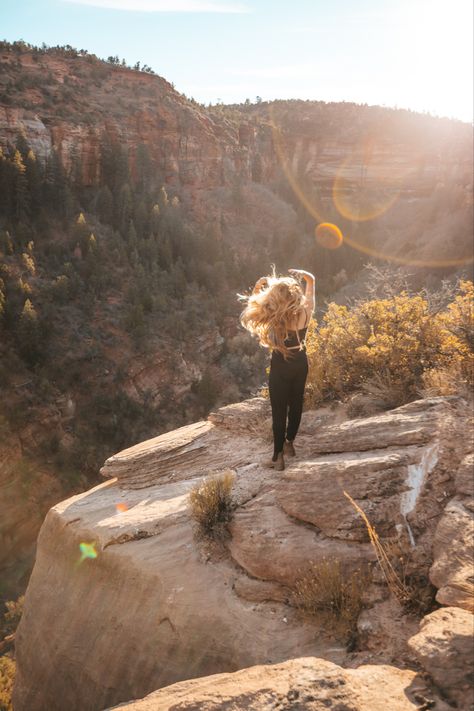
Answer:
(199, 152)
(453, 569)
(444, 647)
(309, 684)
(142, 605)
(453, 566)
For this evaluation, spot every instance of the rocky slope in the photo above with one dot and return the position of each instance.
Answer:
(145, 605)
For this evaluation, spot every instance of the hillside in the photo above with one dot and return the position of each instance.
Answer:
(130, 216)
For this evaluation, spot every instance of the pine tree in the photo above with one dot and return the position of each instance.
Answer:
(143, 167)
(141, 219)
(162, 198)
(21, 193)
(22, 145)
(6, 186)
(105, 205)
(125, 207)
(56, 194)
(34, 180)
(29, 334)
(2, 298)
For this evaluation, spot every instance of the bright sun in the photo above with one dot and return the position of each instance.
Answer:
(436, 56)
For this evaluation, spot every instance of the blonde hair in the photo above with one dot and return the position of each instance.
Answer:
(271, 312)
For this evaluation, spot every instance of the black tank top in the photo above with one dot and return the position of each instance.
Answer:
(296, 339)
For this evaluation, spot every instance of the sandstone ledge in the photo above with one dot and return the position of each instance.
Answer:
(154, 607)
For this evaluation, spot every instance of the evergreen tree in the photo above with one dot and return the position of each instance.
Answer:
(143, 168)
(21, 193)
(125, 208)
(56, 193)
(105, 205)
(22, 145)
(34, 180)
(2, 299)
(6, 185)
(29, 334)
(141, 219)
(162, 198)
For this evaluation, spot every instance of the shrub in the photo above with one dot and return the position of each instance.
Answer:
(13, 614)
(211, 506)
(7, 675)
(385, 346)
(324, 591)
(443, 381)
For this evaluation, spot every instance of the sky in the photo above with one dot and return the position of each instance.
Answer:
(415, 54)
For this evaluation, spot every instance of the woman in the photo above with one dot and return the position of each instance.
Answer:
(278, 313)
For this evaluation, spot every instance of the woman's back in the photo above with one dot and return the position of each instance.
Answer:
(296, 335)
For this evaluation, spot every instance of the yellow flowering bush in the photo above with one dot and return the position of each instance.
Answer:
(390, 343)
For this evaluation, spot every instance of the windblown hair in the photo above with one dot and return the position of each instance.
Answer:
(272, 311)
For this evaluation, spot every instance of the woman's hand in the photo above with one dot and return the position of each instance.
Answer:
(262, 283)
(309, 287)
(301, 273)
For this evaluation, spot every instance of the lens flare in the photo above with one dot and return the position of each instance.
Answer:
(359, 195)
(87, 551)
(328, 235)
(121, 508)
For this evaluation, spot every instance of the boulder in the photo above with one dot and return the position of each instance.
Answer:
(444, 647)
(307, 684)
(453, 569)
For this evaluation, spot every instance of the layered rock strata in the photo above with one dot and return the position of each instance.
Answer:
(123, 600)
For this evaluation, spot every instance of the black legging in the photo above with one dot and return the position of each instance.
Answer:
(286, 384)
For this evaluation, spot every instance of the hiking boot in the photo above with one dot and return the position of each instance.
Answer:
(278, 464)
(288, 448)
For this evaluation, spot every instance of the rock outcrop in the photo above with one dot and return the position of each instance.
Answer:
(300, 685)
(123, 600)
(453, 569)
(444, 646)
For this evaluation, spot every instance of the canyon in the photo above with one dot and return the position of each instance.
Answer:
(236, 188)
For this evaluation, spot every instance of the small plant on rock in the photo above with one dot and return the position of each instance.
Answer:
(211, 505)
(324, 591)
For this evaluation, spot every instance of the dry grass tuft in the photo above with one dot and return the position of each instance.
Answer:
(394, 582)
(414, 592)
(325, 592)
(211, 505)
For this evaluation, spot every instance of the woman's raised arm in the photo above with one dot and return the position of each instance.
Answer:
(310, 286)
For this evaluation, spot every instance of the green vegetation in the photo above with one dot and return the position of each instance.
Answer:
(80, 267)
(211, 506)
